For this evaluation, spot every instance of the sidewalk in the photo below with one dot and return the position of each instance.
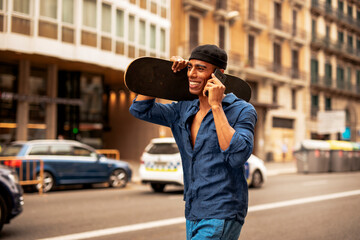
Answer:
(273, 168)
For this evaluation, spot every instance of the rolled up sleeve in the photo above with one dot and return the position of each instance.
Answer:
(242, 142)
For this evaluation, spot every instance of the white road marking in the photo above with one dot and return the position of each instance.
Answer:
(298, 201)
(315, 183)
(181, 220)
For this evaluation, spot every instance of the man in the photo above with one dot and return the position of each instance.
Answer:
(214, 134)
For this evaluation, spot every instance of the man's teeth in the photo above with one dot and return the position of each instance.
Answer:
(194, 83)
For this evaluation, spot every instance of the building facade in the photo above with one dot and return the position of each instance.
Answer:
(62, 64)
(335, 72)
(267, 46)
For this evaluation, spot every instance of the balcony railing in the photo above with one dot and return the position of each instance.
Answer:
(328, 11)
(202, 6)
(326, 83)
(339, 48)
(255, 20)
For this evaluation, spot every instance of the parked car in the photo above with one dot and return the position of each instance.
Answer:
(11, 195)
(161, 166)
(68, 162)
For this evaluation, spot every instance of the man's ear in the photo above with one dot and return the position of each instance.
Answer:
(222, 70)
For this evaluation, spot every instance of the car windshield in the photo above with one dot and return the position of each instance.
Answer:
(11, 150)
(164, 148)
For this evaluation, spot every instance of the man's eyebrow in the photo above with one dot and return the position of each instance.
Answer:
(200, 65)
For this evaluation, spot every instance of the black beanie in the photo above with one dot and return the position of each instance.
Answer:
(211, 54)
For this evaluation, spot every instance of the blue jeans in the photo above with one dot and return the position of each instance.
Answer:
(214, 229)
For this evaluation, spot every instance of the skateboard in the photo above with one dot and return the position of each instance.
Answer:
(153, 77)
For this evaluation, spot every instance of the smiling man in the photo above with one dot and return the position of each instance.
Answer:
(214, 134)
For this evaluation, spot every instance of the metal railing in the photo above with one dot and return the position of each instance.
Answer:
(30, 171)
(110, 153)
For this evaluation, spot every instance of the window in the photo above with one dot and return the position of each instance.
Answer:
(48, 8)
(327, 34)
(350, 42)
(294, 25)
(277, 58)
(295, 64)
(106, 18)
(340, 77)
(277, 15)
(283, 123)
(163, 148)
(194, 32)
(119, 23)
(22, 6)
(37, 87)
(314, 105)
(8, 83)
(314, 70)
(142, 32)
(328, 74)
(222, 36)
(68, 11)
(348, 79)
(131, 35)
(313, 29)
(340, 6)
(350, 11)
(152, 36)
(340, 37)
(39, 150)
(82, 152)
(163, 40)
(327, 104)
(63, 150)
(275, 94)
(251, 51)
(293, 99)
(89, 13)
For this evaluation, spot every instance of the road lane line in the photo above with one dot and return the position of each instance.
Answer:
(298, 201)
(181, 220)
(122, 229)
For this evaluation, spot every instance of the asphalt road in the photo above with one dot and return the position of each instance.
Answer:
(289, 206)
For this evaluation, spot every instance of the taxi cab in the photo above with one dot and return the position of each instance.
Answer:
(161, 166)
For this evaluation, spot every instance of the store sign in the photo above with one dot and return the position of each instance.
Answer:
(331, 122)
(39, 99)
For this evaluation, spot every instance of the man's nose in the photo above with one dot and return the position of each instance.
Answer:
(191, 72)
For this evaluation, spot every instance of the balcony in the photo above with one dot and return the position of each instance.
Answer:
(280, 30)
(262, 68)
(298, 36)
(200, 6)
(297, 3)
(342, 88)
(255, 21)
(227, 10)
(332, 14)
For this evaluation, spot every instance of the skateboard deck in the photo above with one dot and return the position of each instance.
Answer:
(153, 77)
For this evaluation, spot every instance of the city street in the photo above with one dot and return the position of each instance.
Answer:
(289, 206)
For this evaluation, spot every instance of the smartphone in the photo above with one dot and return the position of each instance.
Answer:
(219, 75)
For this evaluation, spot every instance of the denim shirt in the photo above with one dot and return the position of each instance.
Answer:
(214, 179)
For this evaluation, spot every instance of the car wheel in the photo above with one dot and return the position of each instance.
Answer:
(48, 183)
(256, 179)
(118, 178)
(3, 212)
(158, 187)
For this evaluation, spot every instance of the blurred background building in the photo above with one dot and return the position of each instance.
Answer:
(62, 64)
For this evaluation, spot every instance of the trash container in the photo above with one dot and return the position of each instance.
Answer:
(340, 156)
(312, 156)
(355, 162)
